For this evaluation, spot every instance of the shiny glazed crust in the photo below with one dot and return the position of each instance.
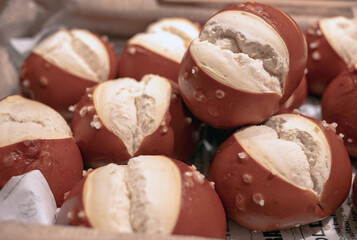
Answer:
(323, 63)
(59, 160)
(339, 105)
(137, 61)
(186, 127)
(202, 212)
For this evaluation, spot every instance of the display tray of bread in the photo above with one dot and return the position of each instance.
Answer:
(224, 120)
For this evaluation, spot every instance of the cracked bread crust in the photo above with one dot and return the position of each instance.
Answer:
(218, 82)
(136, 122)
(260, 198)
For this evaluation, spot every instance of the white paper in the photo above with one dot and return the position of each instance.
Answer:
(27, 198)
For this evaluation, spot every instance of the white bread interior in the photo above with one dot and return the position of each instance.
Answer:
(181, 27)
(341, 34)
(291, 147)
(242, 51)
(23, 119)
(76, 51)
(165, 44)
(133, 110)
(106, 198)
(144, 196)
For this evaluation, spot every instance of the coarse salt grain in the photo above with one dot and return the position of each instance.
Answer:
(334, 125)
(242, 155)
(71, 108)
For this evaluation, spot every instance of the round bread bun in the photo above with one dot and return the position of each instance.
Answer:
(63, 65)
(36, 137)
(247, 60)
(123, 118)
(159, 50)
(339, 105)
(296, 99)
(152, 195)
(332, 48)
(291, 171)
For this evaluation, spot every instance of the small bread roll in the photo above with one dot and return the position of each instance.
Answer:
(152, 195)
(123, 118)
(159, 50)
(332, 48)
(62, 66)
(290, 171)
(247, 60)
(36, 137)
(339, 105)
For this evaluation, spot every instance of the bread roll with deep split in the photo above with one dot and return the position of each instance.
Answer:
(247, 60)
(332, 48)
(159, 50)
(152, 195)
(36, 137)
(122, 118)
(63, 65)
(290, 171)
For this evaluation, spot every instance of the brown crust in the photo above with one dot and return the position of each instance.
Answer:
(242, 183)
(51, 85)
(299, 97)
(289, 32)
(72, 211)
(56, 87)
(137, 61)
(202, 213)
(101, 146)
(185, 127)
(219, 105)
(323, 63)
(59, 160)
(339, 104)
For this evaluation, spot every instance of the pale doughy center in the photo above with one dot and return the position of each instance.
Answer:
(133, 110)
(106, 199)
(23, 119)
(291, 147)
(180, 27)
(242, 51)
(168, 45)
(78, 52)
(341, 33)
(144, 196)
